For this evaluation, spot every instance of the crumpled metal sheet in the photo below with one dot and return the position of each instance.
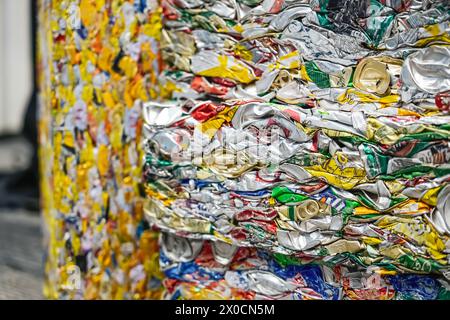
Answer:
(314, 131)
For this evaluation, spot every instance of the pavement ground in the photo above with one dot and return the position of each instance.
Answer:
(21, 255)
(21, 250)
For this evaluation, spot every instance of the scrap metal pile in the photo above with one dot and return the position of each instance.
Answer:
(97, 63)
(300, 149)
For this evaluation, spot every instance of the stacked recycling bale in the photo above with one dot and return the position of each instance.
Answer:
(198, 269)
(314, 134)
(97, 62)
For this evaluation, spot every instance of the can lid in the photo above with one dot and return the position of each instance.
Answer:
(307, 209)
(372, 76)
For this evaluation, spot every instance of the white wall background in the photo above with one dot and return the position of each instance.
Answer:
(15, 63)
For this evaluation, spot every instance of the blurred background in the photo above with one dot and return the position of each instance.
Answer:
(21, 253)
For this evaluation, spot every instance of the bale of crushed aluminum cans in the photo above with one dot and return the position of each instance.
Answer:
(198, 269)
(309, 142)
(98, 62)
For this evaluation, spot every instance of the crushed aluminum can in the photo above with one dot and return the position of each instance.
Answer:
(312, 133)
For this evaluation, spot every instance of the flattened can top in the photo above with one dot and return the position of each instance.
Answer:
(372, 76)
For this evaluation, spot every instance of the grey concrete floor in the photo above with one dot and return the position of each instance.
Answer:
(21, 255)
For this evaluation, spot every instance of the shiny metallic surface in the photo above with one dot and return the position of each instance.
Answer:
(310, 148)
(179, 248)
(428, 69)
